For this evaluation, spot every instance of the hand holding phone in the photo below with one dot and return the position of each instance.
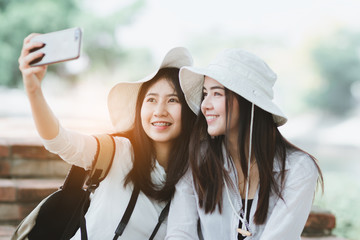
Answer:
(58, 46)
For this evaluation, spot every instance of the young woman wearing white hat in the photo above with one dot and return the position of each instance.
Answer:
(246, 180)
(153, 124)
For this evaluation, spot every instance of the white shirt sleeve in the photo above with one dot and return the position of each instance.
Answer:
(183, 215)
(288, 217)
(73, 147)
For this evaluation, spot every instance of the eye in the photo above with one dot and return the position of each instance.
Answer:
(150, 100)
(174, 100)
(217, 94)
(204, 94)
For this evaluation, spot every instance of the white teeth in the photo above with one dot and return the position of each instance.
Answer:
(211, 117)
(161, 124)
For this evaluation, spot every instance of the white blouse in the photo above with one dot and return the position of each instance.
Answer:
(111, 198)
(285, 220)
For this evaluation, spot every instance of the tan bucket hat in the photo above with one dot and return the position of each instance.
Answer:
(239, 71)
(122, 97)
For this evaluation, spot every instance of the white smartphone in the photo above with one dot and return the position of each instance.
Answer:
(59, 46)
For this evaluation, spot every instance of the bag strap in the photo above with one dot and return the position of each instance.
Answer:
(127, 214)
(164, 213)
(103, 160)
(102, 163)
(129, 210)
(75, 178)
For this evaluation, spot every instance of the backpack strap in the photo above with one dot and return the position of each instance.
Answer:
(102, 163)
(75, 178)
(103, 160)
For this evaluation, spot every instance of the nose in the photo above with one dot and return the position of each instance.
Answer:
(206, 103)
(160, 110)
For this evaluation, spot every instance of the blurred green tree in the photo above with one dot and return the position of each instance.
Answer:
(18, 18)
(337, 58)
(100, 41)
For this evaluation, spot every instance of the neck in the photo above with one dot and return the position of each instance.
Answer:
(162, 153)
(234, 153)
(233, 148)
(233, 145)
(254, 175)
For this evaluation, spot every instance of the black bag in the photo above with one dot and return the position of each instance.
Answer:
(60, 215)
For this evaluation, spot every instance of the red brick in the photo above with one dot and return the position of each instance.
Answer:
(9, 212)
(5, 168)
(27, 190)
(25, 209)
(13, 212)
(34, 190)
(7, 190)
(30, 168)
(21, 196)
(4, 151)
(32, 152)
(321, 220)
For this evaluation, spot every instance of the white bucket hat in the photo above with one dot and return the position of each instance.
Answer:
(122, 97)
(239, 71)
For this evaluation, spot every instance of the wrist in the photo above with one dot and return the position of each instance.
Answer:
(33, 91)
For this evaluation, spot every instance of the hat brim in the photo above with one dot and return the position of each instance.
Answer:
(122, 103)
(123, 96)
(192, 81)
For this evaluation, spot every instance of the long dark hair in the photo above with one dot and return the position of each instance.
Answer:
(144, 152)
(267, 144)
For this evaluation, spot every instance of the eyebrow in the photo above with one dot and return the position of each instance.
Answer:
(215, 87)
(156, 94)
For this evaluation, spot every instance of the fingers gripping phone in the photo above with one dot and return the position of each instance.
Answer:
(59, 46)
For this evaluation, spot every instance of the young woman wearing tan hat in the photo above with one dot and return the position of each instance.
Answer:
(153, 124)
(246, 180)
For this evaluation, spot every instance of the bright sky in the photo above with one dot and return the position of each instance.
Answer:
(166, 23)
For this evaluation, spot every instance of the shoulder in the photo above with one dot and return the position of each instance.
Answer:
(301, 164)
(123, 150)
(300, 159)
(185, 184)
(122, 142)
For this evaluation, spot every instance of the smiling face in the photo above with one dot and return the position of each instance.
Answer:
(161, 112)
(213, 107)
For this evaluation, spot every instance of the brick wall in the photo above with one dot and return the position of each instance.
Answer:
(28, 173)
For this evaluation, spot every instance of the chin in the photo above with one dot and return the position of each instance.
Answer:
(163, 139)
(213, 134)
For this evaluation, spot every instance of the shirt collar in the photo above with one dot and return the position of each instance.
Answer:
(158, 175)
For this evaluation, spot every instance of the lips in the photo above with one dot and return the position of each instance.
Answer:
(211, 117)
(161, 124)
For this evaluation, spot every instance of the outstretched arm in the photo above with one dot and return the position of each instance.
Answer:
(45, 121)
(73, 147)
